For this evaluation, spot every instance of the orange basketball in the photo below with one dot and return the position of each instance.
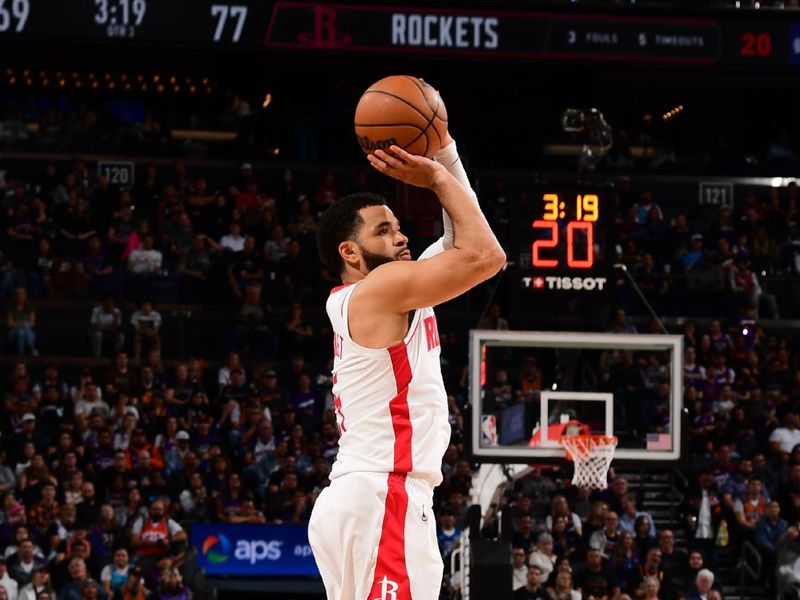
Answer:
(401, 110)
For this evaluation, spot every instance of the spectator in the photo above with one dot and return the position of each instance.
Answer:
(626, 563)
(234, 241)
(704, 513)
(494, 320)
(147, 260)
(172, 586)
(39, 584)
(246, 268)
(650, 588)
(519, 571)
(563, 588)
(106, 327)
(783, 439)
(630, 514)
(21, 320)
(10, 584)
(769, 530)
(543, 555)
(702, 585)
(673, 563)
(524, 537)
(750, 509)
(596, 579)
(146, 324)
(156, 537)
(533, 590)
(22, 564)
(606, 539)
(134, 588)
(115, 574)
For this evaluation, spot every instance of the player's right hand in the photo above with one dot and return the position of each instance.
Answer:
(408, 168)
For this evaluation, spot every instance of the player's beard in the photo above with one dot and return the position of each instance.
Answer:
(373, 261)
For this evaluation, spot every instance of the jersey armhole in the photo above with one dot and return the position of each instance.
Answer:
(345, 316)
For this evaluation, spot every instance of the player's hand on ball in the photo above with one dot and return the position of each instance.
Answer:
(408, 168)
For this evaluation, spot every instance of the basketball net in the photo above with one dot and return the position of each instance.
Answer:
(592, 456)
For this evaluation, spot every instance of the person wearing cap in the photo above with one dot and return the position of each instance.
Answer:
(39, 584)
(173, 457)
(694, 254)
(139, 444)
(7, 582)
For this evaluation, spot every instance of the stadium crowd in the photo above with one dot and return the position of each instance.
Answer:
(104, 468)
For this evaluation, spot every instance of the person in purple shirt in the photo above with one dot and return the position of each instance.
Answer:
(306, 402)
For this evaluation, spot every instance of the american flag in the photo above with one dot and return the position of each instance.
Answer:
(659, 441)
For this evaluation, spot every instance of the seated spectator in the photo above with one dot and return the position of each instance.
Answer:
(650, 588)
(543, 556)
(630, 514)
(134, 588)
(172, 586)
(10, 584)
(596, 579)
(146, 324)
(22, 563)
(565, 542)
(86, 589)
(534, 588)
(147, 260)
(560, 508)
(703, 583)
(156, 537)
(783, 439)
(626, 563)
(106, 327)
(233, 241)
(21, 320)
(524, 537)
(245, 268)
(606, 539)
(750, 509)
(195, 266)
(115, 574)
(519, 569)
(251, 330)
(563, 588)
(39, 585)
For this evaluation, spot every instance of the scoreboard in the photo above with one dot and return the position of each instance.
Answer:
(728, 39)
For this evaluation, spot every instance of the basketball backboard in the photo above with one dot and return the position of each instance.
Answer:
(527, 389)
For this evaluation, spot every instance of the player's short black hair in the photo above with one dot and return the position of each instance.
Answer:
(338, 223)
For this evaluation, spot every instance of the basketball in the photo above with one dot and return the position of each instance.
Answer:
(404, 111)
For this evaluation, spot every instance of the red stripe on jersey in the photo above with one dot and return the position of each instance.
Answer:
(398, 408)
(391, 576)
(339, 287)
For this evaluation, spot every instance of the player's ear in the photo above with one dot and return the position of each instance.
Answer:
(349, 252)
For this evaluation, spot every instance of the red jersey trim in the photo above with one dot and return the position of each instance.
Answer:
(398, 408)
(391, 575)
(340, 287)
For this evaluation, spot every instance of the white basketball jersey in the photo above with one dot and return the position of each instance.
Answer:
(391, 405)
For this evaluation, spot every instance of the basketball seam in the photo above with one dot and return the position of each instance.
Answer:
(403, 100)
(393, 125)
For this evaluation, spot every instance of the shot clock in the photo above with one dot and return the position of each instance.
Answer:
(564, 251)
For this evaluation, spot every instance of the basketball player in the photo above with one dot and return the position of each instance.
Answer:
(372, 530)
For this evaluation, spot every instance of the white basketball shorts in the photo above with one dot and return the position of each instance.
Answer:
(374, 538)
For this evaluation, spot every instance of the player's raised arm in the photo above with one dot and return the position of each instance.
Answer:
(476, 255)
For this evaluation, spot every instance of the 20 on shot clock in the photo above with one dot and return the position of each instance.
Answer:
(564, 254)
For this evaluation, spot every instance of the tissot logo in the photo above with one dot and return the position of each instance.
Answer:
(551, 282)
